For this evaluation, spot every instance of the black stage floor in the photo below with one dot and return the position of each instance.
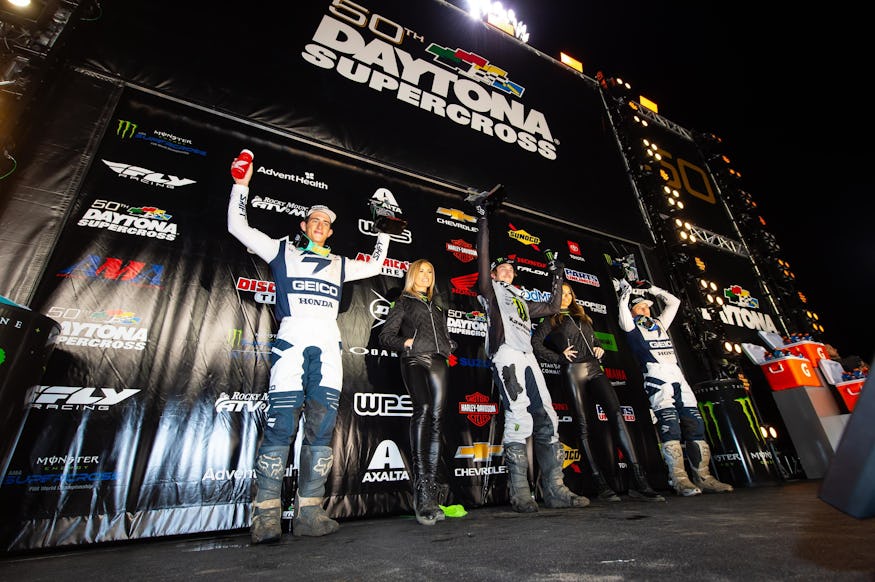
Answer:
(776, 532)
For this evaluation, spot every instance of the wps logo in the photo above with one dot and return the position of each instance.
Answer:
(379, 404)
(478, 409)
(479, 452)
(386, 464)
(367, 227)
(126, 129)
(115, 269)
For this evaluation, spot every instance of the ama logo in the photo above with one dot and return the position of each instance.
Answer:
(115, 269)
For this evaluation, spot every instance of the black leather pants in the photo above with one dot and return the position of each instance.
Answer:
(425, 377)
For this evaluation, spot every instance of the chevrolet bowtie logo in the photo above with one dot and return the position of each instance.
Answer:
(456, 214)
(480, 452)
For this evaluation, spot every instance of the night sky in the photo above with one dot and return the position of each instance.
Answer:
(786, 93)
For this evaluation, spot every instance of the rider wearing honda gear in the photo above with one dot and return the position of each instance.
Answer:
(671, 397)
(306, 372)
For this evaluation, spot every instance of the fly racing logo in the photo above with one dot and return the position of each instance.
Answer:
(379, 404)
(77, 397)
(126, 129)
(386, 464)
(146, 176)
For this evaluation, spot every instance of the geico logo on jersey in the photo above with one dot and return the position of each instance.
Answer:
(315, 287)
(655, 344)
(386, 464)
(241, 402)
(77, 397)
(379, 404)
(581, 277)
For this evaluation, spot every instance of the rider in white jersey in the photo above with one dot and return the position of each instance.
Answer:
(528, 407)
(671, 397)
(306, 373)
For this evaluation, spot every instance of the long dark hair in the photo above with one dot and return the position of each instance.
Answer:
(575, 311)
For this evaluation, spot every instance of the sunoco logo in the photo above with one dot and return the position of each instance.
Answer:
(524, 237)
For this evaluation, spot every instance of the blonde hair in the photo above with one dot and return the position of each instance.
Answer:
(411, 277)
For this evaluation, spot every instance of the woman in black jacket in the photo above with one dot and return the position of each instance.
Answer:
(416, 328)
(568, 338)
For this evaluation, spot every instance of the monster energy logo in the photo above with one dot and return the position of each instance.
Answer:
(521, 309)
(126, 128)
(707, 409)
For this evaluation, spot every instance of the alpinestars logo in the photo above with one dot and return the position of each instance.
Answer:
(147, 176)
(455, 84)
(386, 464)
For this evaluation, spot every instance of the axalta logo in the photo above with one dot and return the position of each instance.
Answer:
(391, 267)
(145, 221)
(147, 176)
(462, 250)
(264, 291)
(451, 83)
(580, 277)
(386, 464)
(464, 285)
(379, 404)
(77, 397)
(478, 408)
(280, 206)
(114, 269)
(308, 179)
(241, 402)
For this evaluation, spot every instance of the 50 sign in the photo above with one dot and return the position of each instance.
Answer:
(688, 177)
